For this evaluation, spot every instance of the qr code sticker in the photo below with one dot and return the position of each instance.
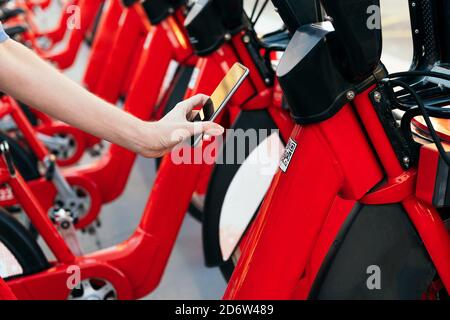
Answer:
(287, 155)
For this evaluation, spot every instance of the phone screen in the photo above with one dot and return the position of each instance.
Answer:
(221, 95)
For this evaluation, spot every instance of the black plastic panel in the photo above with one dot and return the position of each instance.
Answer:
(231, 12)
(380, 236)
(444, 26)
(296, 13)
(205, 29)
(358, 48)
(209, 21)
(313, 85)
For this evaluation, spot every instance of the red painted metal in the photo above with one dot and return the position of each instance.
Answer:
(103, 43)
(6, 292)
(127, 42)
(427, 173)
(298, 211)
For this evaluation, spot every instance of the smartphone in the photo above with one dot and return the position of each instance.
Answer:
(221, 95)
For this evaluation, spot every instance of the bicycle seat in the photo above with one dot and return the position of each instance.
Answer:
(6, 14)
(15, 30)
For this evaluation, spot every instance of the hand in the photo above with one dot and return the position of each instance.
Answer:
(177, 126)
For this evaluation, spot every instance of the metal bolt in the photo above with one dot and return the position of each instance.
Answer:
(413, 4)
(246, 39)
(228, 37)
(406, 161)
(351, 95)
(416, 31)
(377, 96)
(267, 80)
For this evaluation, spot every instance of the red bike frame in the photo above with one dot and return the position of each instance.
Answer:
(127, 47)
(309, 225)
(103, 43)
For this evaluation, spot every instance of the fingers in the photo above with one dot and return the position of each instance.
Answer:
(212, 129)
(192, 102)
(208, 128)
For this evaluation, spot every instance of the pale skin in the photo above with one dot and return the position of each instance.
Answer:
(27, 78)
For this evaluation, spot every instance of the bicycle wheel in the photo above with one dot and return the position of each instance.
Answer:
(237, 189)
(27, 164)
(19, 253)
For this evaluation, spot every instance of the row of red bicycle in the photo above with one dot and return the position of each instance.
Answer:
(354, 176)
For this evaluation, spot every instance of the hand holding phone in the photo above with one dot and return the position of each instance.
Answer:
(220, 97)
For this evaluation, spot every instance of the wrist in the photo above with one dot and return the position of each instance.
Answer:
(142, 134)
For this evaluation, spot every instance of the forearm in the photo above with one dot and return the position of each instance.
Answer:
(27, 78)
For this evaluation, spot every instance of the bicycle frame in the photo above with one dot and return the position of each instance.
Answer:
(103, 43)
(310, 224)
(127, 48)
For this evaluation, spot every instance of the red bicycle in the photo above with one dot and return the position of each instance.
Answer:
(354, 210)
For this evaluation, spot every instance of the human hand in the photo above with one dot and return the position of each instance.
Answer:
(177, 126)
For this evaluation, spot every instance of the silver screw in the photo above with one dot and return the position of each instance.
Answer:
(228, 37)
(377, 96)
(406, 161)
(267, 80)
(351, 95)
(413, 4)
